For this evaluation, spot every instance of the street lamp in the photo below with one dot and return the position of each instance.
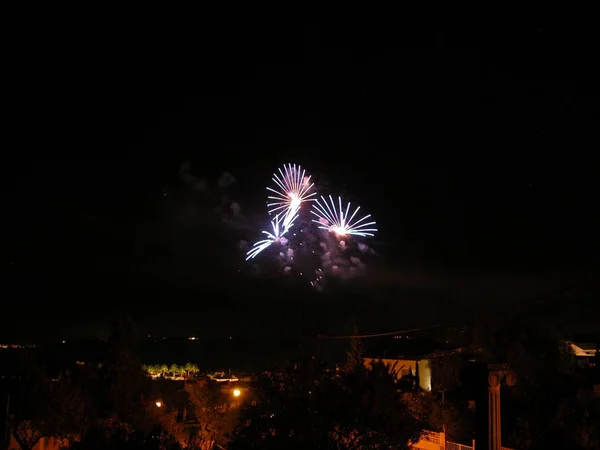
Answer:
(159, 404)
(237, 392)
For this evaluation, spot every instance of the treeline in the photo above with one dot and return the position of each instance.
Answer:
(187, 370)
(303, 404)
(306, 403)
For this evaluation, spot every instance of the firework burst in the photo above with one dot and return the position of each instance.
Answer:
(275, 237)
(335, 219)
(293, 188)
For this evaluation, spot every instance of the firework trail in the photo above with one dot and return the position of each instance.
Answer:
(275, 236)
(292, 189)
(335, 219)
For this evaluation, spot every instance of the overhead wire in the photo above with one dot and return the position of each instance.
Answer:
(361, 336)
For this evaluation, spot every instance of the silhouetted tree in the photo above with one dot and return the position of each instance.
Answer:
(124, 391)
(46, 407)
(120, 437)
(355, 356)
(545, 380)
(453, 418)
(375, 399)
(448, 409)
(446, 371)
(305, 406)
(578, 420)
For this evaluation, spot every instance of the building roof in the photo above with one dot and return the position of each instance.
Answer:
(583, 348)
(586, 345)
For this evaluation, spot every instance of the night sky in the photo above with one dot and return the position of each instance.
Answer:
(139, 164)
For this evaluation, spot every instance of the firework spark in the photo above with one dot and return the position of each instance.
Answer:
(292, 189)
(335, 219)
(275, 236)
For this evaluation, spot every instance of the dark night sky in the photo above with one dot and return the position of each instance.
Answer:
(473, 147)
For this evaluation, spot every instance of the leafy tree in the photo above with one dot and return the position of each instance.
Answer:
(285, 415)
(214, 411)
(530, 406)
(163, 369)
(116, 401)
(453, 418)
(448, 408)
(187, 369)
(303, 405)
(126, 389)
(373, 398)
(150, 369)
(45, 407)
(191, 369)
(546, 382)
(116, 436)
(157, 369)
(578, 420)
(174, 369)
(446, 371)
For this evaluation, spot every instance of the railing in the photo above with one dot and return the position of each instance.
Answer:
(430, 440)
(435, 438)
(455, 446)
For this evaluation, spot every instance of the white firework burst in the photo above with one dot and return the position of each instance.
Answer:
(292, 189)
(335, 219)
(276, 236)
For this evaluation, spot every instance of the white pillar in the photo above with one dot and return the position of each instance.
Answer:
(494, 424)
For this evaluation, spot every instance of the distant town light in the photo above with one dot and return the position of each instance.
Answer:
(237, 392)
(17, 346)
(159, 404)
(192, 338)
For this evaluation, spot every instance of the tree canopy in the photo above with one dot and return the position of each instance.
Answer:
(304, 405)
